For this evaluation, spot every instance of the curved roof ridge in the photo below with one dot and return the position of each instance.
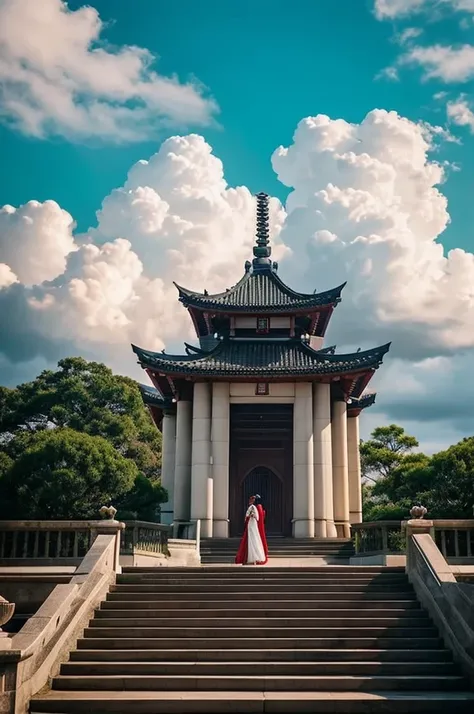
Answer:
(373, 351)
(210, 296)
(165, 357)
(294, 293)
(272, 275)
(262, 357)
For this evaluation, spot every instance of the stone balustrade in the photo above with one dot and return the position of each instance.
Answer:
(377, 537)
(67, 542)
(454, 538)
(29, 658)
(449, 603)
(145, 538)
(46, 540)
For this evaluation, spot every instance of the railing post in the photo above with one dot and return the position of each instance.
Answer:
(416, 526)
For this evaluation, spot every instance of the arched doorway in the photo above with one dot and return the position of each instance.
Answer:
(268, 484)
(261, 461)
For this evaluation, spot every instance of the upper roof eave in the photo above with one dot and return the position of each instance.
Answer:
(153, 398)
(363, 402)
(263, 358)
(232, 300)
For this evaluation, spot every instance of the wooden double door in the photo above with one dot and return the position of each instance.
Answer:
(261, 462)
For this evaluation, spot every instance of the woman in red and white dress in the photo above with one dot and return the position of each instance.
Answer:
(253, 549)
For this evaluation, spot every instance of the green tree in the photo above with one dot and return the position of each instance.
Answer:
(87, 397)
(449, 482)
(388, 461)
(63, 474)
(385, 451)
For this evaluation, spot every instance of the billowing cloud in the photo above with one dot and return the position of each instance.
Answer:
(450, 64)
(365, 206)
(175, 218)
(460, 113)
(58, 77)
(392, 9)
(7, 276)
(35, 240)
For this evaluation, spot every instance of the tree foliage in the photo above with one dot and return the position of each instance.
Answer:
(385, 451)
(58, 417)
(87, 397)
(401, 478)
(63, 473)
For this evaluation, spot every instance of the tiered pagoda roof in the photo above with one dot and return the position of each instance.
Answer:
(263, 292)
(262, 358)
(260, 292)
(284, 350)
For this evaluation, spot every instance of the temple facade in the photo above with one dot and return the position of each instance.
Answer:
(261, 406)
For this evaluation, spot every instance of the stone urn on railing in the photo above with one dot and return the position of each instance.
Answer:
(108, 513)
(6, 613)
(418, 512)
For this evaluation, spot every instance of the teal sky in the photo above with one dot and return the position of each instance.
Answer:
(267, 64)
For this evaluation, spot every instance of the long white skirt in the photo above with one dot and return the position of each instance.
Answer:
(255, 551)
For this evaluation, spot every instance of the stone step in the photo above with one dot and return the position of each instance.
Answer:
(288, 622)
(197, 605)
(263, 655)
(282, 548)
(225, 571)
(252, 702)
(209, 584)
(95, 641)
(262, 631)
(328, 571)
(273, 550)
(278, 540)
(280, 543)
(243, 576)
(277, 595)
(406, 615)
(250, 588)
(230, 559)
(267, 682)
(258, 669)
(290, 547)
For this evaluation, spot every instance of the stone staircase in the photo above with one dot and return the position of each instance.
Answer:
(255, 639)
(332, 550)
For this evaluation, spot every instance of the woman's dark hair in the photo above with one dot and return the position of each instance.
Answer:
(258, 499)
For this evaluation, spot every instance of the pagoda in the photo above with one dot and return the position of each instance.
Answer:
(260, 405)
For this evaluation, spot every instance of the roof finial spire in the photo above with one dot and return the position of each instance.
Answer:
(262, 250)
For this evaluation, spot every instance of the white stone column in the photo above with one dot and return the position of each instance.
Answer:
(353, 455)
(323, 489)
(168, 457)
(201, 477)
(303, 479)
(340, 469)
(220, 457)
(182, 469)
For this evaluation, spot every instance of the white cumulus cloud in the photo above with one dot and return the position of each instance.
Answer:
(35, 240)
(450, 64)
(461, 113)
(7, 276)
(365, 206)
(58, 77)
(392, 9)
